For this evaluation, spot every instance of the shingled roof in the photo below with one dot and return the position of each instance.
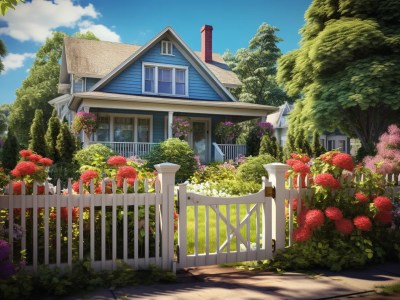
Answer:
(89, 58)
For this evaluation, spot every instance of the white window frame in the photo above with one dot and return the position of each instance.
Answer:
(77, 78)
(174, 68)
(165, 45)
(135, 132)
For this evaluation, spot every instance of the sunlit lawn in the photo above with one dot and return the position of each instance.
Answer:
(212, 227)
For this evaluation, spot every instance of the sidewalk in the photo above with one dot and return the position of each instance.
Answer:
(215, 282)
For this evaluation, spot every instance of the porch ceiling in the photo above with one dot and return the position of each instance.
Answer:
(136, 102)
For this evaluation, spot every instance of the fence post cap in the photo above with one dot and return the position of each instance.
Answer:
(276, 167)
(167, 167)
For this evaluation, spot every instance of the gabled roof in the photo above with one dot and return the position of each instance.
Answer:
(96, 59)
(276, 117)
(197, 63)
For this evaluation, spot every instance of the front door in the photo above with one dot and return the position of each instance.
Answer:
(200, 139)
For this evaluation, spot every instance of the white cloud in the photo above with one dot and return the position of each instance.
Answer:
(34, 21)
(15, 61)
(100, 31)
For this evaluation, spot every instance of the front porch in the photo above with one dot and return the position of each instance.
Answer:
(222, 152)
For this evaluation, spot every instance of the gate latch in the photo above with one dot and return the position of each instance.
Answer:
(270, 191)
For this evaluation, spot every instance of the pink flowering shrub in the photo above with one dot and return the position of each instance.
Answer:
(181, 127)
(84, 121)
(346, 221)
(387, 159)
(227, 132)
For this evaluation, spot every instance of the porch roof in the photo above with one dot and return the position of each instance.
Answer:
(137, 102)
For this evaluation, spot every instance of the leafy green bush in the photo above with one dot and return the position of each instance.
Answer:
(214, 172)
(253, 169)
(89, 154)
(174, 151)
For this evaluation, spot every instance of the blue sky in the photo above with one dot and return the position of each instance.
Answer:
(136, 21)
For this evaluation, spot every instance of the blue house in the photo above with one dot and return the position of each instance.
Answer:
(136, 91)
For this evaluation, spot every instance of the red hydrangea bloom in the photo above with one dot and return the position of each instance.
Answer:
(301, 157)
(302, 234)
(40, 190)
(35, 157)
(363, 223)
(17, 187)
(314, 218)
(75, 187)
(116, 161)
(344, 226)
(25, 153)
(301, 218)
(291, 162)
(361, 197)
(126, 172)
(344, 161)
(24, 168)
(383, 203)
(64, 213)
(88, 175)
(46, 161)
(333, 213)
(301, 167)
(329, 156)
(385, 217)
(327, 180)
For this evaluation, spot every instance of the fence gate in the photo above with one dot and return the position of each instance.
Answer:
(214, 230)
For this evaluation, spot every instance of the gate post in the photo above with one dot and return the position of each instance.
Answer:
(166, 176)
(276, 172)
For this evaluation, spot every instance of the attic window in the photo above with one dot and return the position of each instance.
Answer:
(166, 47)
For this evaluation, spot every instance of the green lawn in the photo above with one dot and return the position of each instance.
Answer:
(190, 237)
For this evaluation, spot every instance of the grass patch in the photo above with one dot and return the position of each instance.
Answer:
(389, 289)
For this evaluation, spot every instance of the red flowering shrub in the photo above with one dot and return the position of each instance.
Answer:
(327, 180)
(361, 197)
(329, 156)
(344, 161)
(301, 168)
(74, 213)
(344, 226)
(384, 217)
(363, 223)
(46, 161)
(383, 203)
(116, 161)
(88, 175)
(302, 234)
(25, 153)
(314, 218)
(333, 213)
(24, 168)
(304, 158)
(35, 157)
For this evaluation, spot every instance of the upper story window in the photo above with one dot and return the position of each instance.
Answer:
(78, 84)
(166, 47)
(165, 80)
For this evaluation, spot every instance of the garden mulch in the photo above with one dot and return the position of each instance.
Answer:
(215, 282)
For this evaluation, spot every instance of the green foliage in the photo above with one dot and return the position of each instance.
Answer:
(316, 148)
(39, 87)
(269, 145)
(63, 171)
(174, 151)
(253, 169)
(53, 129)
(37, 143)
(65, 144)
(4, 113)
(5, 5)
(301, 142)
(3, 52)
(346, 68)
(77, 279)
(9, 156)
(214, 172)
(93, 153)
(256, 68)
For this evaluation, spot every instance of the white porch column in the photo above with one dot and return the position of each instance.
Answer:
(170, 120)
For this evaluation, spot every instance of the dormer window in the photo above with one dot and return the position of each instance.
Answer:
(163, 79)
(166, 47)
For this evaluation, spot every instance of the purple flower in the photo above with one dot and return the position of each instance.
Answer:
(7, 269)
(4, 250)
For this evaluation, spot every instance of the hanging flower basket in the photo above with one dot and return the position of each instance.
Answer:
(181, 127)
(227, 132)
(84, 121)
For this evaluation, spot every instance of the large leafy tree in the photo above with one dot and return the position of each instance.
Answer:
(3, 52)
(5, 5)
(256, 68)
(347, 67)
(40, 86)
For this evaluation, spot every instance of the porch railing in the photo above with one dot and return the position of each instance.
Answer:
(129, 149)
(229, 151)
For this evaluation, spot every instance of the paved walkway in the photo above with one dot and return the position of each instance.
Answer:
(230, 284)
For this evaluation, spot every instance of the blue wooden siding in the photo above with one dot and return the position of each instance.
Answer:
(130, 80)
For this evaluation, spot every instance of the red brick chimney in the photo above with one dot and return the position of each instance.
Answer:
(206, 43)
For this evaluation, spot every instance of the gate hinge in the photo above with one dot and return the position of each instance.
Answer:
(273, 245)
(270, 191)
